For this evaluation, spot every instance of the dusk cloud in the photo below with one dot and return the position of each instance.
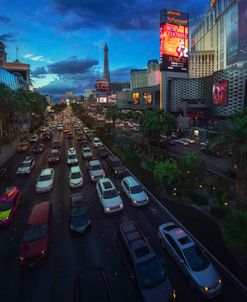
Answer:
(39, 72)
(8, 37)
(5, 20)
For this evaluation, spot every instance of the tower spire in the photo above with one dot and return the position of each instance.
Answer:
(106, 73)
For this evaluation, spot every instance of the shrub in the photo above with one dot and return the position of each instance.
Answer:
(197, 198)
(219, 211)
(235, 231)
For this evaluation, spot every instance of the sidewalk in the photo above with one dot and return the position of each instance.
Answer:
(7, 151)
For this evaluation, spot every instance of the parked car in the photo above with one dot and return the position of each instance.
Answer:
(9, 202)
(45, 181)
(182, 141)
(54, 157)
(151, 277)
(116, 166)
(75, 177)
(26, 166)
(79, 215)
(134, 191)
(108, 196)
(191, 259)
(23, 147)
(95, 170)
(35, 241)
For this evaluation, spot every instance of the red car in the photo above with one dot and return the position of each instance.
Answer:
(35, 240)
(9, 202)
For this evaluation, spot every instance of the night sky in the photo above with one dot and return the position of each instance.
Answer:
(63, 40)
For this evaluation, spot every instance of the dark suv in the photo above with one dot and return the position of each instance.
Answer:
(116, 166)
(152, 280)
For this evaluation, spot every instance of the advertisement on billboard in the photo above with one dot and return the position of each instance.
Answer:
(220, 93)
(232, 35)
(136, 98)
(242, 11)
(174, 41)
(147, 98)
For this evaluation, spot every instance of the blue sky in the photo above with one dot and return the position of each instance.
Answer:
(63, 40)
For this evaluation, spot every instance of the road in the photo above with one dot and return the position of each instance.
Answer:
(70, 255)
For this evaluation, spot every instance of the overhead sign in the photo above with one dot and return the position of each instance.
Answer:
(220, 93)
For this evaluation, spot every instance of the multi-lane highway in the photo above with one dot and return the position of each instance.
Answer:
(69, 254)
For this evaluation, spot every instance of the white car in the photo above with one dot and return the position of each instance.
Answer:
(45, 181)
(134, 191)
(191, 259)
(26, 166)
(95, 170)
(182, 141)
(72, 157)
(33, 139)
(75, 177)
(108, 196)
(87, 153)
(96, 142)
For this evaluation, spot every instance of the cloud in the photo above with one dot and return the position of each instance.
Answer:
(72, 65)
(120, 15)
(121, 74)
(36, 58)
(4, 19)
(8, 37)
(39, 72)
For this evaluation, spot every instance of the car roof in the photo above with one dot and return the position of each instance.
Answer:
(75, 169)
(9, 194)
(71, 150)
(131, 181)
(106, 183)
(179, 235)
(94, 162)
(46, 171)
(40, 213)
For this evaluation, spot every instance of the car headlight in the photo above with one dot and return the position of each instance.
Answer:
(174, 295)
(103, 174)
(43, 252)
(121, 205)
(134, 201)
(21, 258)
(205, 288)
(107, 209)
(220, 281)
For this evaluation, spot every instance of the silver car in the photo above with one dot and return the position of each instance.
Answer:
(45, 181)
(87, 153)
(95, 170)
(191, 259)
(134, 191)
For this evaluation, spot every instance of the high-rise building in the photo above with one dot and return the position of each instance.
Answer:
(3, 55)
(153, 73)
(201, 63)
(223, 30)
(106, 73)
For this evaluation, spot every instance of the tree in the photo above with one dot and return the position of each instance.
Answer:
(112, 113)
(234, 136)
(192, 165)
(6, 96)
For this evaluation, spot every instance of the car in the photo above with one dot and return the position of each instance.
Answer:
(134, 191)
(191, 140)
(38, 148)
(81, 138)
(72, 157)
(43, 129)
(103, 152)
(47, 136)
(69, 135)
(87, 153)
(95, 170)
(34, 247)
(75, 177)
(66, 130)
(23, 147)
(109, 196)
(171, 141)
(79, 215)
(26, 166)
(45, 181)
(56, 145)
(116, 166)
(60, 127)
(33, 139)
(9, 202)
(230, 173)
(191, 259)
(142, 261)
(182, 141)
(203, 146)
(54, 157)
(135, 129)
(96, 142)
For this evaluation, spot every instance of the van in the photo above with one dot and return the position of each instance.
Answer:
(151, 277)
(35, 240)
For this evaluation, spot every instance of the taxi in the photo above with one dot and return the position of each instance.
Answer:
(9, 202)
(23, 147)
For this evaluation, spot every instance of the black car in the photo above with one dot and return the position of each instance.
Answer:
(79, 216)
(54, 157)
(230, 173)
(103, 152)
(69, 135)
(81, 138)
(56, 145)
(116, 166)
(47, 136)
(38, 148)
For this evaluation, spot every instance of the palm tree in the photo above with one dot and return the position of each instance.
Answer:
(234, 137)
(112, 113)
(166, 173)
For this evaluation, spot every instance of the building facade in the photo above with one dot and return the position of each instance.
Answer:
(12, 81)
(201, 63)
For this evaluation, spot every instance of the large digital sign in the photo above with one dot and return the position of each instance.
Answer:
(147, 98)
(220, 93)
(174, 41)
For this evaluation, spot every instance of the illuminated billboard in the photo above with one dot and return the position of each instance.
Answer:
(220, 93)
(136, 98)
(174, 41)
(147, 98)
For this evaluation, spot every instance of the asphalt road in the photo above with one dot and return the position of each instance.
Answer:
(70, 255)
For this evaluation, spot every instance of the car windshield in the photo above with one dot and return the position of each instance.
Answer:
(136, 189)
(35, 233)
(150, 273)
(6, 206)
(25, 165)
(117, 163)
(78, 210)
(75, 175)
(72, 156)
(196, 258)
(96, 167)
(44, 177)
(110, 194)
(87, 150)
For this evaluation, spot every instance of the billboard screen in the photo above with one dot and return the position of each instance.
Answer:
(242, 15)
(147, 98)
(174, 41)
(220, 93)
(136, 98)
